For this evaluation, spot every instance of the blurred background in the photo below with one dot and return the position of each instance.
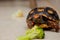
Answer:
(30, 3)
(11, 28)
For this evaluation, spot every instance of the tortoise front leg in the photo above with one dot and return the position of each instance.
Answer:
(54, 25)
(57, 28)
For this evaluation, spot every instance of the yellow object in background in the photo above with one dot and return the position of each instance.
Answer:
(19, 13)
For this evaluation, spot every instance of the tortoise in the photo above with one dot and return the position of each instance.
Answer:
(45, 17)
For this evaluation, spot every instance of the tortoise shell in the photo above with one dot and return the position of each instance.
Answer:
(45, 17)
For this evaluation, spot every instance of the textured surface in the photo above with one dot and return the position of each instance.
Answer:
(11, 27)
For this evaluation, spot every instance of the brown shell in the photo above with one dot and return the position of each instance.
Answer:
(45, 16)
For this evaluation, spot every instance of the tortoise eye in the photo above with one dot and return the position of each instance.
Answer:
(50, 11)
(40, 10)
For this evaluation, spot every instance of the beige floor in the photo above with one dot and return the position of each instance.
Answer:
(11, 27)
